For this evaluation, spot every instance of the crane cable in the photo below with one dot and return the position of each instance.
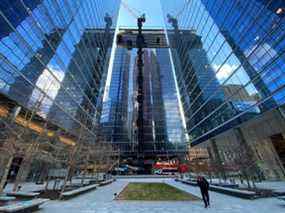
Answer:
(130, 10)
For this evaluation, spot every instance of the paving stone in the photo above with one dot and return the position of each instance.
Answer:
(101, 201)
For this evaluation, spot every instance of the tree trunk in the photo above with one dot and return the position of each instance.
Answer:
(247, 181)
(69, 170)
(22, 173)
(46, 186)
(253, 183)
(6, 173)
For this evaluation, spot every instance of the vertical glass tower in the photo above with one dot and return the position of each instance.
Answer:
(229, 62)
(163, 129)
(114, 120)
(226, 43)
(54, 57)
(176, 140)
(155, 135)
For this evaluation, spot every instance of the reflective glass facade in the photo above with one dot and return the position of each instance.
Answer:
(54, 57)
(229, 62)
(163, 130)
(115, 127)
(173, 115)
(222, 49)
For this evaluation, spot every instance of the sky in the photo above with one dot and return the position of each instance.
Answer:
(151, 8)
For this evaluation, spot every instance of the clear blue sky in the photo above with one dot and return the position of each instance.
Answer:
(151, 8)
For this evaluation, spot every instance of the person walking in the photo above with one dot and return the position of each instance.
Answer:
(204, 187)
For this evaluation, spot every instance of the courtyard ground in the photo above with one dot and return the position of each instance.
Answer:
(102, 201)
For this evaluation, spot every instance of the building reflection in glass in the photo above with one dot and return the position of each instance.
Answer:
(54, 57)
(229, 64)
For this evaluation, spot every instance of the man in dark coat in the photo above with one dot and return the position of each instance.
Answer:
(204, 187)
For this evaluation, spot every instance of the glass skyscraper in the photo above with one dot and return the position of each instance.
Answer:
(163, 130)
(229, 62)
(176, 135)
(54, 57)
(115, 117)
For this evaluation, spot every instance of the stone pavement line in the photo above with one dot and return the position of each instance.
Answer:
(117, 197)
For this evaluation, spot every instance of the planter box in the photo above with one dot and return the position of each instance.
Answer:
(234, 192)
(24, 206)
(79, 191)
(106, 182)
(23, 194)
(225, 190)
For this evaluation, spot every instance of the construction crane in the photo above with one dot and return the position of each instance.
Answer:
(140, 95)
(131, 11)
(173, 20)
(140, 18)
(140, 44)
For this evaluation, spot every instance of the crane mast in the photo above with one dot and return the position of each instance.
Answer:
(140, 44)
(140, 94)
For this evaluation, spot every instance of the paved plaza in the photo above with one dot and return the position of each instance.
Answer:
(102, 201)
